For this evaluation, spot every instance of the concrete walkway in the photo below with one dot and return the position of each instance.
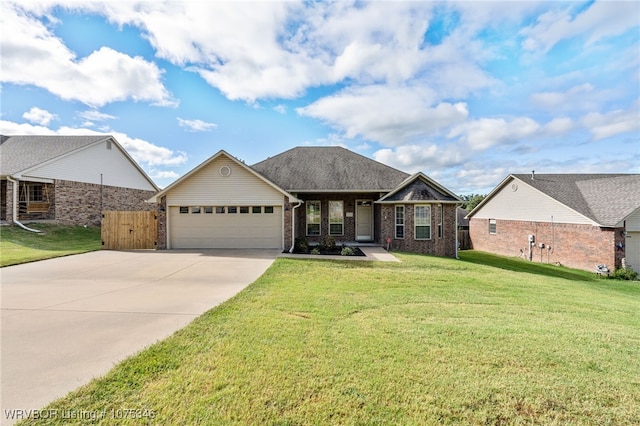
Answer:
(70, 319)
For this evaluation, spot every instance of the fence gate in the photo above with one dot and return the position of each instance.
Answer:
(464, 239)
(129, 230)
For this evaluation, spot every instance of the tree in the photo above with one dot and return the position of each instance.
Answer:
(471, 201)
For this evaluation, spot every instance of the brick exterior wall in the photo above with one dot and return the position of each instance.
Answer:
(79, 203)
(3, 200)
(572, 245)
(162, 224)
(445, 246)
(349, 224)
(288, 208)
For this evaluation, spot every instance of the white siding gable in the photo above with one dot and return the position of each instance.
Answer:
(518, 201)
(633, 222)
(208, 186)
(87, 164)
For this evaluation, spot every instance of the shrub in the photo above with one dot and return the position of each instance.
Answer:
(315, 251)
(347, 251)
(327, 243)
(301, 245)
(624, 274)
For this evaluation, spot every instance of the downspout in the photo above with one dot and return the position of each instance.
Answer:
(16, 190)
(293, 226)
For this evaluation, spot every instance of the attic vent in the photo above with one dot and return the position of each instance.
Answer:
(109, 145)
(225, 171)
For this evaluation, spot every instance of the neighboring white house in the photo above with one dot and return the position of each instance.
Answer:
(577, 220)
(69, 179)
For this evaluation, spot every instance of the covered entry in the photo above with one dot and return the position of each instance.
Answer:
(201, 227)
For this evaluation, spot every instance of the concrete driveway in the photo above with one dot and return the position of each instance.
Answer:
(70, 319)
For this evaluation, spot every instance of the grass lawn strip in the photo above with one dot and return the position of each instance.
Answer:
(20, 246)
(425, 341)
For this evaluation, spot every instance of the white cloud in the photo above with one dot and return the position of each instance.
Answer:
(484, 133)
(196, 125)
(389, 115)
(39, 116)
(163, 174)
(600, 20)
(579, 98)
(251, 51)
(613, 123)
(559, 125)
(282, 109)
(94, 115)
(32, 54)
(414, 158)
(142, 151)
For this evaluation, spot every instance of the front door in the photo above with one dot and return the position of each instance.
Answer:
(364, 220)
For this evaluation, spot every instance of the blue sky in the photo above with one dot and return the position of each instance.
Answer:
(466, 92)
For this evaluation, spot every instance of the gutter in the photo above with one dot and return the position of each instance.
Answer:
(16, 189)
(293, 227)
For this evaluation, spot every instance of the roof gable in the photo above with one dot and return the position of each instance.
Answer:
(219, 155)
(19, 153)
(325, 169)
(420, 187)
(75, 158)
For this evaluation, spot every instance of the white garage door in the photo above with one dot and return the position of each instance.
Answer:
(632, 250)
(225, 227)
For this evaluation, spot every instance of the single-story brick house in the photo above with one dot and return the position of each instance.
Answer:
(577, 220)
(309, 192)
(69, 179)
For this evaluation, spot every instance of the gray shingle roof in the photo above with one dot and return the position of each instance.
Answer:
(419, 190)
(328, 169)
(18, 153)
(607, 199)
(462, 216)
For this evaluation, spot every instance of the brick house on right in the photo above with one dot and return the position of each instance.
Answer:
(576, 220)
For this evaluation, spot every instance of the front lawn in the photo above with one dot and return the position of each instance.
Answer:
(482, 340)
(19, 246)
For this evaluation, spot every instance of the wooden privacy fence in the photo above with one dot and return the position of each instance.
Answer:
(464, 240)
(129, 230)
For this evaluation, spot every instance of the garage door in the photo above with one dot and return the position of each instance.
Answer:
(632, 250)
(225, 227)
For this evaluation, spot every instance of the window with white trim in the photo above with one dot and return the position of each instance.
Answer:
(399, 232)
(336, 218)
(440, 213)
(268, 209)
(314, 217)
(492, 226)
(36, 192)
(422, 222)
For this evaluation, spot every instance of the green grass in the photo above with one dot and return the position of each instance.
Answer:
(482, 340)
(20, 246)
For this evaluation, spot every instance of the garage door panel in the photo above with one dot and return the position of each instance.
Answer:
(225, 230)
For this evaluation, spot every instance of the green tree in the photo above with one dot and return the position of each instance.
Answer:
(471, 201)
